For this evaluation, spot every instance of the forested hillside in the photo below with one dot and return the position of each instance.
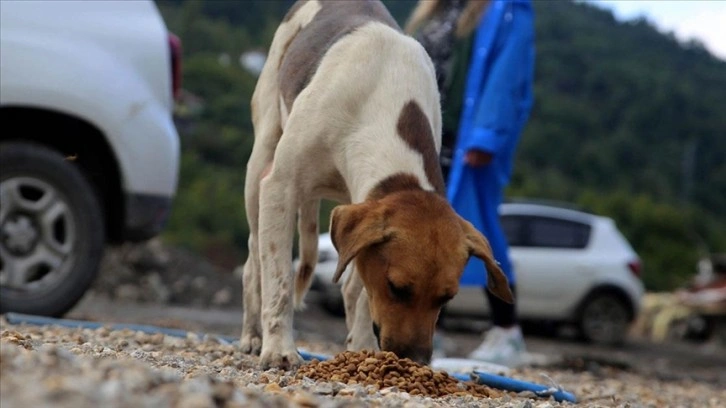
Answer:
(627, 123)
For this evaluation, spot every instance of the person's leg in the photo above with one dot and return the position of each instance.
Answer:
(503, 344)
(503, 314)
(489, 196)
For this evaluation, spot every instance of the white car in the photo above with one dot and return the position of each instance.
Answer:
(89, 152)
(571, 267)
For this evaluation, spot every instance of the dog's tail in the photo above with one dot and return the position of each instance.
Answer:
(307, 225)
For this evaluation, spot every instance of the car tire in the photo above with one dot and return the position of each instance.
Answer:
(51, 231)
(334, 305)
(604, 319)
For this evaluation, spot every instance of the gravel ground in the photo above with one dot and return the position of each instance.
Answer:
(60, 367)
(46, 366)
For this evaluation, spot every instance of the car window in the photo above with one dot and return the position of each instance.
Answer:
(512, 226)
(555, 233)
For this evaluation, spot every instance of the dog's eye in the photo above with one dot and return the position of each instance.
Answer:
(402, 293)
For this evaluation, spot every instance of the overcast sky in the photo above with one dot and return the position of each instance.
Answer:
(704, 20)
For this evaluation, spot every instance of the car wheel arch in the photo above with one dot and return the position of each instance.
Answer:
(102, 170)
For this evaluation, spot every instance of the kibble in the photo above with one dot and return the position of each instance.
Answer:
(384, 370)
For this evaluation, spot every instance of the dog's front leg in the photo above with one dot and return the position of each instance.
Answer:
(361, 336)
(357, 314)
(278, 206)
(251, 339)
(351, 290)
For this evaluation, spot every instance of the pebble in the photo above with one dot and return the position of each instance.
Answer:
(273, 387)
(323, 388)
(64, 367)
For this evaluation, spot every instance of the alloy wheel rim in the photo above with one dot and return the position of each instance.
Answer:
(37, 234)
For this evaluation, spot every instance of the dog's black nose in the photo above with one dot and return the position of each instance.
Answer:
(421, 355)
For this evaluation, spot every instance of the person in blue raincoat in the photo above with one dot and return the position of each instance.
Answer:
(484, 54)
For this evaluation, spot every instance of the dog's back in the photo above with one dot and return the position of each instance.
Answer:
(335, 19)
(355, 69)
(348, 56)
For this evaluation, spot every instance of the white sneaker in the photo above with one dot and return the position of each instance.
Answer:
(501, 346)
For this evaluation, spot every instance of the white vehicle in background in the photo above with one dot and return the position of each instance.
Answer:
(89, 153)
(572, 267)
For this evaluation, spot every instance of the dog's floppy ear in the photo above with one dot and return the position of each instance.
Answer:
(497, 282)
(354, 227)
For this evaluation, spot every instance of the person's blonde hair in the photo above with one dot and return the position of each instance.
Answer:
(467, 22)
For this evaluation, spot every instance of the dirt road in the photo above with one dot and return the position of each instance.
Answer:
(669, 361)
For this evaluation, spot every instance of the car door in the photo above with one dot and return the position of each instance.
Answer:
(550, 262)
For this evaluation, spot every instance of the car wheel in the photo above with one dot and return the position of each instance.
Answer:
(604, 319)
(333, 303)
(51, 231)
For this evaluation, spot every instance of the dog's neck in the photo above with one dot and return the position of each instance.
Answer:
(393, 184)
(391, 172)
(390, 166)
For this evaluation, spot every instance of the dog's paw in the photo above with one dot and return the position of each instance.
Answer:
(285, 360)
(250, 344)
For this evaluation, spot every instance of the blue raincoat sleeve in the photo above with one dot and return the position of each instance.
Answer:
(506, 92)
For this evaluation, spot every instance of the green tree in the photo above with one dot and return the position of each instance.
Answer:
(627, 122)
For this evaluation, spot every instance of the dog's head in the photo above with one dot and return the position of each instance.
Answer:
(410, 249)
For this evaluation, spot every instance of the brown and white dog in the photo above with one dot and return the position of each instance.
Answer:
(347, 108)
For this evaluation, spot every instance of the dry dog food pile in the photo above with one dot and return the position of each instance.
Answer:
(385, 369)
